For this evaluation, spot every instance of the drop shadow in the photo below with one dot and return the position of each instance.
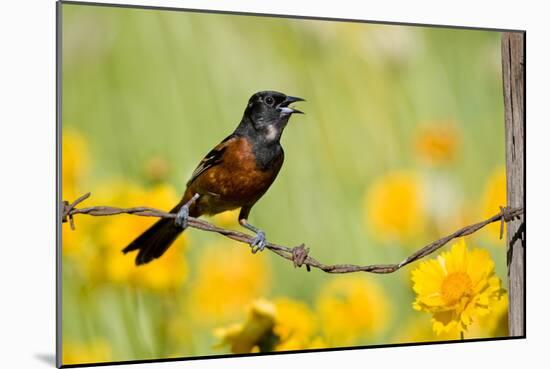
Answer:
(46, 358)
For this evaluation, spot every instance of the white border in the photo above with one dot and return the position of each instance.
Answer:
(27, 152)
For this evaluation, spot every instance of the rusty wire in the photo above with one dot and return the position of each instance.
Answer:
(299, 255)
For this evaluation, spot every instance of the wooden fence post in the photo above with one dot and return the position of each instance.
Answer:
(513, 74)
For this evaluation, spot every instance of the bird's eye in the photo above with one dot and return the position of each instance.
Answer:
(269, 100)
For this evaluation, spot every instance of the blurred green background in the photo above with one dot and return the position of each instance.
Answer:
(402, 143)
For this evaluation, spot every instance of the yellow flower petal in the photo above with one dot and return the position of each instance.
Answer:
(271, 326)
(467, 289)
(228, 278)
(394, 206)
(351, 307)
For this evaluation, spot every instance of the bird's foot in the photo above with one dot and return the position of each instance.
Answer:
(182, 217)
(259, 242)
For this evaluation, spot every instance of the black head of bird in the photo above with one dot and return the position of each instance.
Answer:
(267, 114)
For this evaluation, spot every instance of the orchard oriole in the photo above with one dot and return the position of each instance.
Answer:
(234, 174)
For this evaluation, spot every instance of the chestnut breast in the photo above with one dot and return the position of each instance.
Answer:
(237, 180)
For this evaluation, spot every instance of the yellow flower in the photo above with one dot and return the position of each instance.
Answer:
(82, 251)
(272, 326)
(352, 307)
(419, 329)
(494, 324)
(317, 343)
(294, 325)
(97, 242)
(436, 144)
(97, 351)
(254, 333)
(95, 246)
(494, 196)
(86, 244)
(118, 192)
(75, 161)
(455, 288)
(394, 206)
(228, 277)
(75, 241)
(167, 272)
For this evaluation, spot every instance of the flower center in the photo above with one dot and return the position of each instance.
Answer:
(455, 286)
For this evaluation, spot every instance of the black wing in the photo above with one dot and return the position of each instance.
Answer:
(213, 158)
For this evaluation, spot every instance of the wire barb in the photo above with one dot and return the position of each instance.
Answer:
(508, 215)
(66, 210)
(298, 255)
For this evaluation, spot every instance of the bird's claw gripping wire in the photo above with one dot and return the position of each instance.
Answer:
(259, 242)
(182, 217)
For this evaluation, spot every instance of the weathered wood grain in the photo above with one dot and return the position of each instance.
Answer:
(513, 74)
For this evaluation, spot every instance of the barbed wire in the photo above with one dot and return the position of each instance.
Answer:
(299, 255)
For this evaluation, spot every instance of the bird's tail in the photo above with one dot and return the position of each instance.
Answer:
(156, 240)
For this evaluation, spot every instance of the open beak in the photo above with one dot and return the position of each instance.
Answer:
(284, 106)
